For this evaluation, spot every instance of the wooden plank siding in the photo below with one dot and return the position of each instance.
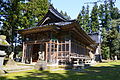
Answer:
(63, 41)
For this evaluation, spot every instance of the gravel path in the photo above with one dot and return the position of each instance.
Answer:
(11, 69)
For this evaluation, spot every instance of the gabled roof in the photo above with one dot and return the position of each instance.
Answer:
(52, 16)
(95, 36)
(54, 21)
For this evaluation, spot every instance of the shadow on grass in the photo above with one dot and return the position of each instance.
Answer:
(92, 73)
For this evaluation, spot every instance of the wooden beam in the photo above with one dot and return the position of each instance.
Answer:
(57, 51)
(69, 49)
(50, 51)
(23, 52)
(46, 51)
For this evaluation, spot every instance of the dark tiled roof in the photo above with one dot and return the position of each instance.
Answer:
(57, 24)
(53, 20)
(52, 16)
(95, 36)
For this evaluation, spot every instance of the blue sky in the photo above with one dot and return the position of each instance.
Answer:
(73, 7)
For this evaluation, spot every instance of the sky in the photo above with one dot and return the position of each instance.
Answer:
(73, 7)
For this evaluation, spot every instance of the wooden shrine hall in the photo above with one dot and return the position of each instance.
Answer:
(56, 40)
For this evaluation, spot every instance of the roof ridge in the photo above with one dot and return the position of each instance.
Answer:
(54, 16)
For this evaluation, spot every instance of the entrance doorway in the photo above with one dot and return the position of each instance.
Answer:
(36, 49)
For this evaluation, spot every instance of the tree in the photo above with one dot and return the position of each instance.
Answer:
(9, 12)
(106, 14)
(94, 19)
(115, 13)
(114, 39)
(105, 48)
(83, 19)
(61, 12)
(65, 15)
(32, 12)
(101, 15)
(79, 19)
(116, 47)
(19, 15)
(87, 20)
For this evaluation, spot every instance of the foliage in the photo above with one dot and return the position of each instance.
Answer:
(106, 52)
(32, 12)
(20, 54)
(18, 14)
(104, 18)
(65, 15)
(115, 13)
(110, 43)
(83, 19)
(116, 47)
(94, 19)
(9, 13)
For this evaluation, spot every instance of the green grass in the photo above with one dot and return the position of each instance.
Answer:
(102, 71)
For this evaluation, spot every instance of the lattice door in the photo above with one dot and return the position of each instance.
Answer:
(51, 51)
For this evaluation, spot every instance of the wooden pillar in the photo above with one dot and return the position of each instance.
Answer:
(57, 52)
(54, 52)
(24, 52)
(31, 54)
(61, 50)
(65, 49)
(50, 57)
(46, 52)
(69, 49)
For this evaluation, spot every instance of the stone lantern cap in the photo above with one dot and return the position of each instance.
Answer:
(2, 53)
(3, 41)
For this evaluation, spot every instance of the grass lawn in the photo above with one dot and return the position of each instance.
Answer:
(102, 71)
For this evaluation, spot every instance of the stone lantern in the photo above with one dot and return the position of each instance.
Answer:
(3, 44)
(2, 54)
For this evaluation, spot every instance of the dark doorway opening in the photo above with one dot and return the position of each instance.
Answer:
(36, 49)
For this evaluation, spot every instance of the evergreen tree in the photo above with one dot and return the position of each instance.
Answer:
(38, 8)
(61, 12)
(107, 12)
(101, 15)
(107, 16)
(83, 19)
(10, 13)
(112, 9)
(32, 12)
(114, 39)
(113, 42)
(104, 18)
(94, 19)
(87, 20)
(65, 15)
(115, 13)
(79, 19)
(18, 14)
(116, 46)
